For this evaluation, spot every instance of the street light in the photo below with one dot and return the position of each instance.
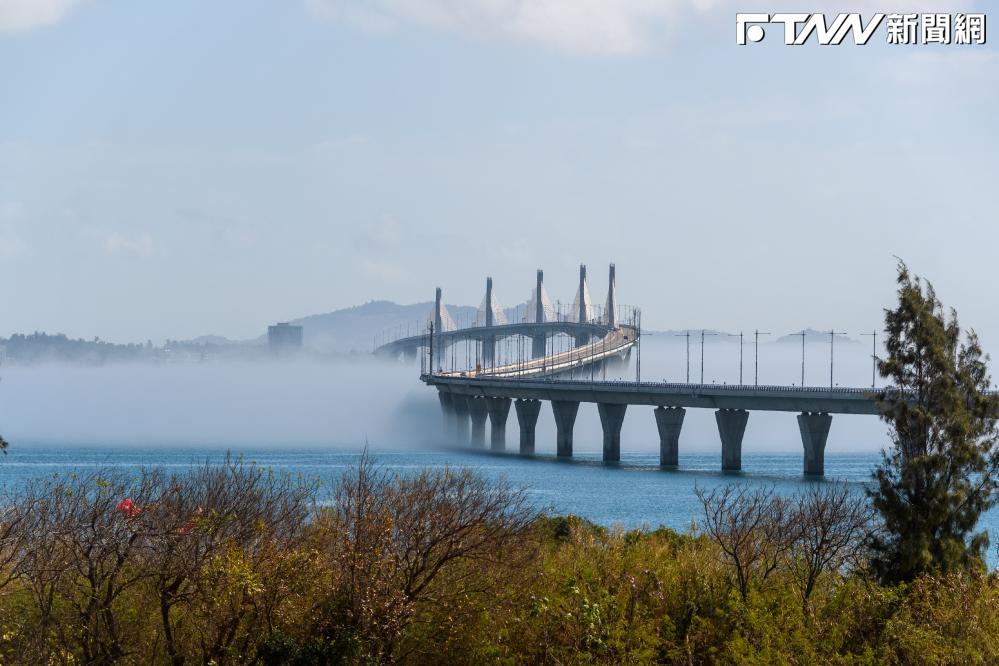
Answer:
(732, 335)
(702, 353)
(802, 334)
(756, 363)
(686, 335)
(874, 355)
(832, 340)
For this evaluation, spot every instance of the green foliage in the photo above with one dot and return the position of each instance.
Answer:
(939, 476)
(232, 565)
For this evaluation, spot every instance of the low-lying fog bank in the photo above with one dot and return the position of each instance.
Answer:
(345, 402)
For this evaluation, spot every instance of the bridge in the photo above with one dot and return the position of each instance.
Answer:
(470, 396)
(560, 341)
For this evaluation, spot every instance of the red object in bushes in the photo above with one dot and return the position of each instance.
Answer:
(129, 508)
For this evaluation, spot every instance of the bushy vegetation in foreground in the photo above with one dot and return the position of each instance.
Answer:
(230, 564)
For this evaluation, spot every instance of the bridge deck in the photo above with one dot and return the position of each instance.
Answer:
(712, 396)
(527, 329)
(617, 342)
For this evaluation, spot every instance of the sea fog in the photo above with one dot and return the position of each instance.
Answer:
(351, 400)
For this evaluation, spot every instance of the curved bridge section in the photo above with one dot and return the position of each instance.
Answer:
(589, 333)
(615, 343)
(412, 344)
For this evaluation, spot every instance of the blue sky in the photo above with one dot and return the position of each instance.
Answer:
(173, 169)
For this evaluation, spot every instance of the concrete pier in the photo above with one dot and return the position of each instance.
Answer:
(477, 412)
(527, 417)
(461, 425)
(814, 427)
(611, 419)
(447, 411)
(565, 418)
(669, 420)
(499, 410)
(731, 427)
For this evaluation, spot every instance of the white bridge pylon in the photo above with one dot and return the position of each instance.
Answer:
(582, 310)
(546, 312)
(440, 317)
(490, 313)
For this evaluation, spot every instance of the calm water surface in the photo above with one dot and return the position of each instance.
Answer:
(634, 493)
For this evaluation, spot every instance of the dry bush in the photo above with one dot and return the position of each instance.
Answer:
(401, 545)
(750, 528)
(830, 526)
(222, 528)
(102, 556)
(810, 534)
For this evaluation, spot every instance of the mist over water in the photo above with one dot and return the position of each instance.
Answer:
(346, 401)
(315, 417)
(281, 403)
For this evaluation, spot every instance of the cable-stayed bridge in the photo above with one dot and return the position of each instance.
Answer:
(546, 340)
(483, 385)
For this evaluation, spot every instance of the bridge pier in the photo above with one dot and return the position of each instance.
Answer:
(611, 419)
(499, 409)
(814, 427)
(669, 420)
(447, 411)
(527, 417)
(565, 417)
(477, 412)
(460, 407)
(731, 428)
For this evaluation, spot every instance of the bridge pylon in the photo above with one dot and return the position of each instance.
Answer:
(490, 314)
(610, 309)
(582, 306)
(537, 311)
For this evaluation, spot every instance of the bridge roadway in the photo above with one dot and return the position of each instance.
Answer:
(489, 334)
(467, 400)
(616, 343)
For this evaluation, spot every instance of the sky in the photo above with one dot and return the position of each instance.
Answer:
(182, 168)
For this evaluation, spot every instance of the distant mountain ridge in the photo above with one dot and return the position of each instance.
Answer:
(360, 328)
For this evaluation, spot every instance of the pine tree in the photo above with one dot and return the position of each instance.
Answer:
(940, 474)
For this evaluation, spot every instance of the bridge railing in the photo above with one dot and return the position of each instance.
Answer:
(683, 386)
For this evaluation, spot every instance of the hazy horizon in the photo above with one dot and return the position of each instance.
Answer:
(180, 169)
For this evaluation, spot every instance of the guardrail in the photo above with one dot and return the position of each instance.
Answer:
(678, 386)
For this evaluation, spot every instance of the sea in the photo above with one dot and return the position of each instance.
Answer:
(634, 493)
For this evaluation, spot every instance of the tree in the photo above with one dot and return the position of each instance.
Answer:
(940, 474)
(750, 527)
(829, 525)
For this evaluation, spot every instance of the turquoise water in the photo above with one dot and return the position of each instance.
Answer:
(633, 493)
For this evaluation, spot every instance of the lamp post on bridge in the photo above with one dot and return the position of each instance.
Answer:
(832, 341)
(756, 363)
(686, 335)
(702, 352)
(874, 356)
(802, 334)
(740, 336)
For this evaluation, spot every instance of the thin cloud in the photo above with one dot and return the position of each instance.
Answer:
(20, 15)
(141, 245)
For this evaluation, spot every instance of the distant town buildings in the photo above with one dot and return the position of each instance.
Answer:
(3, 354)
(284, 337)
